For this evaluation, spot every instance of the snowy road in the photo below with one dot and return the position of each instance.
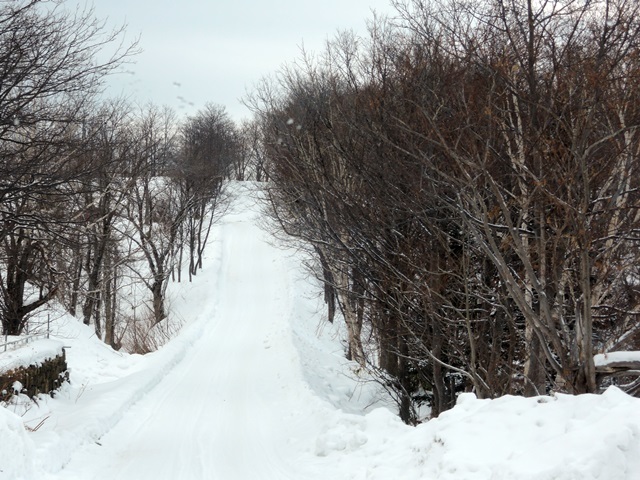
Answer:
(255, 386)
(231, 409)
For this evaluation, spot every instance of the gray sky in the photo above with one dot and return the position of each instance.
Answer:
(197, 51)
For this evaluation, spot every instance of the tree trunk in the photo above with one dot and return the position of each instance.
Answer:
(157, 290)
(534, 366)
(354, 328)
(586, 378)
(329, 285)
(72, 308)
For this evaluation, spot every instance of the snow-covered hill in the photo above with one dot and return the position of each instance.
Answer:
(256, 386)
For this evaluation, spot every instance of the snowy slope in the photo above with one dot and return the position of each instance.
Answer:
(254, 386)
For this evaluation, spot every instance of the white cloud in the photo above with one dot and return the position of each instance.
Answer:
(217, 50)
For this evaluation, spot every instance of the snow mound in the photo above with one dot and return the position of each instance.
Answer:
(560, 437)
(17, 450)
(33, 353)
(606, 359)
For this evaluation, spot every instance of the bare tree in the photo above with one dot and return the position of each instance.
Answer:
(211, 151)
(155, 211)
(253, 151)
(48, 76)
(539, 150)
(467, 183)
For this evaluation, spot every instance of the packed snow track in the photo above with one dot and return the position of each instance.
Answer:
(231, 409)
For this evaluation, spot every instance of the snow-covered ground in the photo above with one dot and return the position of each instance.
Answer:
(256, 386)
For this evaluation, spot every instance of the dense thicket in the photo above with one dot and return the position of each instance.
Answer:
(468, 180)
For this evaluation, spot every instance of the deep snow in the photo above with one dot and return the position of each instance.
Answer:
(255, 386)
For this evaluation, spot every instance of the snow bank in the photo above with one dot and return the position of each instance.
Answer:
(17, 450)
(33, 353)
(613, 358)
(561, 438)
(104, 385)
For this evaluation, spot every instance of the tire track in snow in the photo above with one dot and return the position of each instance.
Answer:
(225, 410)
(111, 407)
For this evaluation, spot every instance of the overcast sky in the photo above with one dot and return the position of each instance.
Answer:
(197, 51)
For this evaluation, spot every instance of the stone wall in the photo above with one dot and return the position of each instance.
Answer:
(44, 377)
